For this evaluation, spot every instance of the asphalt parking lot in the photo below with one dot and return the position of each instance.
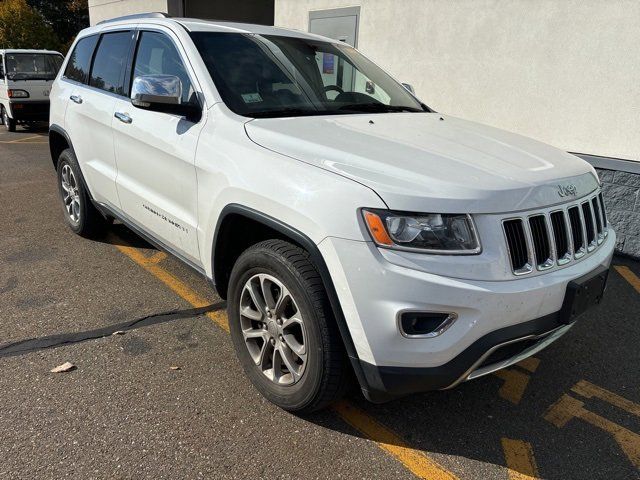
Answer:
(167, 398)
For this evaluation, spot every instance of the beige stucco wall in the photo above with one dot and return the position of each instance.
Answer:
(566, 72)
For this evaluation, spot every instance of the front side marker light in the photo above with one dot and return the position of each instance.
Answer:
(376, 228)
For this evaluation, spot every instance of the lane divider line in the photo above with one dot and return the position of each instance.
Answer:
(521, 463)
(629, 276)
(416, 461)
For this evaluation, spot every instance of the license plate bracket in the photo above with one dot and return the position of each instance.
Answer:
(582, 294)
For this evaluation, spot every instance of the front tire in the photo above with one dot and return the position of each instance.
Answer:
(81, 216)
(9, 123)
(283, 329)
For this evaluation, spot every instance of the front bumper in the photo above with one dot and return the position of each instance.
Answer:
(30, 111)
(519, 315)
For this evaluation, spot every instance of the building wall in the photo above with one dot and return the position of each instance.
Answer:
(562, 71)
(252, 11)
(622, 197)
(105, 9)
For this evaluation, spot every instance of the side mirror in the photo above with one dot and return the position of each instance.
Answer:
(162, 93)
(409, 87)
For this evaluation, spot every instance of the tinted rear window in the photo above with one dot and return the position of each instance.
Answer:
(32, 66)
(109, 63)
(80, 59)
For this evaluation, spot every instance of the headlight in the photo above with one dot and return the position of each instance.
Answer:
(423, 232)
(18, 94)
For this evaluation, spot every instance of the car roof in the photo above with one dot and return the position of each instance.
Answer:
(198, 25)
(26, 50)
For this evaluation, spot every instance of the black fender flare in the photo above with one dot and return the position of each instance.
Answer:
(316, 256)
(61, 131)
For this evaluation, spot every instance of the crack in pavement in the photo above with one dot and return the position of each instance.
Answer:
(51, 341)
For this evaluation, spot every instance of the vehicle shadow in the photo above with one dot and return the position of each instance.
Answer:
(471, 420)
(120, 235)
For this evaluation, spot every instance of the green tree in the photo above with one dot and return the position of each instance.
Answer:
(66, 17)
(23, 27)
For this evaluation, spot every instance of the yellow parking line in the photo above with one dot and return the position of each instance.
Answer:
(514, 386)
(589, 390)
(175, 284)
(629, 276)
(531, 364)
(520, 460)
(568, 407)
(414, 460)
(25, 138)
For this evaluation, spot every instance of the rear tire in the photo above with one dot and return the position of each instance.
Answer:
(309, 367)
(79, 212)
(9, 123)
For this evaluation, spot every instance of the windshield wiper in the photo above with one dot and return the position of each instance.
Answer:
(285, 112)
(378, 108)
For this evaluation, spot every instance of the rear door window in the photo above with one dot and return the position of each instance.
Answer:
(80, 59)
(109, 63)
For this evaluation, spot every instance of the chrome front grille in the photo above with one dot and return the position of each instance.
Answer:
(541, 240)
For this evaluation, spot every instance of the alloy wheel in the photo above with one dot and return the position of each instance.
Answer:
(71, 194)
(273, 329)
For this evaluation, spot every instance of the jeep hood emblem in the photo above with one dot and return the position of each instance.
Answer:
(567, 190)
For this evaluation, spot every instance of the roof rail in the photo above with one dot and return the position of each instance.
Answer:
(136, 15)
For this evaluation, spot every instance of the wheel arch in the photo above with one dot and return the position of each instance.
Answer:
(59, 141)
(236, 219)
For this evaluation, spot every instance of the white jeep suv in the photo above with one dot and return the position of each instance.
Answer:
(350, 228)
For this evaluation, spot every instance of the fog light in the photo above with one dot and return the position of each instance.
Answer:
(425, 324)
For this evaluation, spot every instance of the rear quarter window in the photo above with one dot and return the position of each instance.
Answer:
(80, 59)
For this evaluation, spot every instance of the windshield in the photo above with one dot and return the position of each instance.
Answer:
(276, 76)
(32, 66)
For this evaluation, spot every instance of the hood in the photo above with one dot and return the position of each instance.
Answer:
(430, 162)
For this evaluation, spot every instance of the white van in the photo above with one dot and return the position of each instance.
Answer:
(25, 83)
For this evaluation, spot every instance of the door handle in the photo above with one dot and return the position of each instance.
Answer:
(123, 117)
(76, 98)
